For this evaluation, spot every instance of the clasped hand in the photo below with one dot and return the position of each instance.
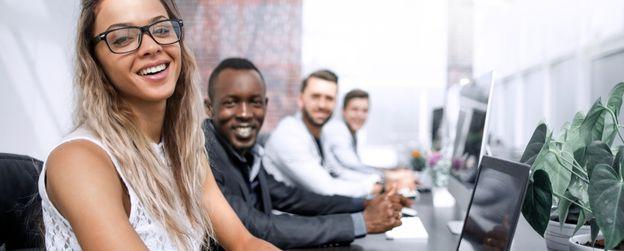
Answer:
(384, 211)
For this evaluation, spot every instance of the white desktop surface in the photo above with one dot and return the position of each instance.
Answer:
(411, 228)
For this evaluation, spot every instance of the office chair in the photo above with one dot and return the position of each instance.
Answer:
(20, 204)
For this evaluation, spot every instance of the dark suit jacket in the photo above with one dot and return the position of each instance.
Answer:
(320, 220)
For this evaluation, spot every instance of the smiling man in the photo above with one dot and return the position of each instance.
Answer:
(339, 136)
(293, 151)
(238, 94)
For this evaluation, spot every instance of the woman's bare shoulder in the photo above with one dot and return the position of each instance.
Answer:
(86, 189)
(79, 171)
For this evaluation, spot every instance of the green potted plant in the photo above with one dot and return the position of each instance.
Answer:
(580, 168)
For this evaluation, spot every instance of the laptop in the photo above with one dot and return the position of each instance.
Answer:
(495, 205)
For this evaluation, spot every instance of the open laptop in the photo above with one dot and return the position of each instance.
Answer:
(495, 205)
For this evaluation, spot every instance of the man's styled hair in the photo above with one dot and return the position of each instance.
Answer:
(326, 75)
(352, 94)
(230, 63)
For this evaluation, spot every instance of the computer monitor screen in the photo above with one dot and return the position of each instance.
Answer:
(494, 206)
(436, 126)
(474, 138)
(471, 127)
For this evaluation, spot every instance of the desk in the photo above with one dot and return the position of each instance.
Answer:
(440, 238)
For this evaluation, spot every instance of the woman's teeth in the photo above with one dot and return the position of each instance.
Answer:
(153, 69)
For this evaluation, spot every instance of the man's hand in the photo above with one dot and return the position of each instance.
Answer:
(381, 214)
(402, 178)
(400, 200)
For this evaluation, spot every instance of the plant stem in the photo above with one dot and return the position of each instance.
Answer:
(582, 177)
(573, 202)
(575, 163)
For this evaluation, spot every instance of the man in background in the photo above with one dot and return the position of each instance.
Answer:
(237, 93)
(339, 138)
(293, 151)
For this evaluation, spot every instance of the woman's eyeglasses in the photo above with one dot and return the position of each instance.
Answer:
(128, 39)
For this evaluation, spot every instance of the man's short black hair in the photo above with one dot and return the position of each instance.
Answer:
(355, 93)
(326, 75)
(230, 63)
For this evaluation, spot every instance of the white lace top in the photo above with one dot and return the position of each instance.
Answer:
(59, 234)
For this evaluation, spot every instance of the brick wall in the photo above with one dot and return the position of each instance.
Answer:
(267, 32)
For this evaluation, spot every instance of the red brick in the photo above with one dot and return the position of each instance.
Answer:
(266, 32)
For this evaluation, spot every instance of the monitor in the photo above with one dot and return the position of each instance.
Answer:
(436, 127)
(468, 109)
(472, 123)
(495, 205)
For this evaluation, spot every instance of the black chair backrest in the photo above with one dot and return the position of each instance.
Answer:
(20, 205)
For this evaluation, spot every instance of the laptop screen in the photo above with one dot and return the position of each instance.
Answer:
(495, 205)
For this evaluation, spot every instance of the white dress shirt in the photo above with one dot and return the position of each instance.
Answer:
(291, 156)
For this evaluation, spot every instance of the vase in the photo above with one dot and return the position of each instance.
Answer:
(557, 238)
(440, 173)
(573, 243)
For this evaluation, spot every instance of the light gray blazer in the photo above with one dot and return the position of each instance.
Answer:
(340, 154)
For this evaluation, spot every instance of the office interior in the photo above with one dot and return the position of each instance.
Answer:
(548, 60)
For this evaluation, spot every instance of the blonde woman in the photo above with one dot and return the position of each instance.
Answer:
(133, 175)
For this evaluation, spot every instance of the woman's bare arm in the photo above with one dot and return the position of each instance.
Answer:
(84, 186)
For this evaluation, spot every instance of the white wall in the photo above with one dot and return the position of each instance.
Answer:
(395, 49)
(36, 41)
(514, 35)
(553, 58)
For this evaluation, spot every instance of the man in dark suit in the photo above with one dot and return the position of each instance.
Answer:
(237, 94)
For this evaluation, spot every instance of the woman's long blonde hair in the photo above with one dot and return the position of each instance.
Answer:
(171, 195)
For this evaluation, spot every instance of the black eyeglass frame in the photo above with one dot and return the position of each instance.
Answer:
(143, 30)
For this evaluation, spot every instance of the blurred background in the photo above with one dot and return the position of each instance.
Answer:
(551, 58)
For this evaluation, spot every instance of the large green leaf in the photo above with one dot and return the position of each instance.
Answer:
(595, 229)
(555, 166)
(563, 132)
(618, 162)
(562, 211)
(578, 190)
(592, 127)
(614, 103)
(573, 138)
(615, 98)
(598, 153)
(580, 156)
(579, 117)
(580, 222)
(535, 145)
(606, 197)
(537, 202)
(599, 124)
(609, 128)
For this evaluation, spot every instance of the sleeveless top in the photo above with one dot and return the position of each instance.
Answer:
(59, 234)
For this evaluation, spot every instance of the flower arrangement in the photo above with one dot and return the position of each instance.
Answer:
(438, 168)
(417, 161)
